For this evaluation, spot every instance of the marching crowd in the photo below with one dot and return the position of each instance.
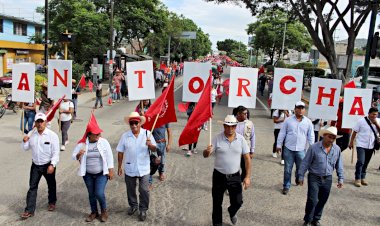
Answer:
(141, 153)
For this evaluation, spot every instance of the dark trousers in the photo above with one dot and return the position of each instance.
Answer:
(131, 183)
(364, 156)
(36, 172)
(242, 166)
(221, 182)
(317, 194)
(276, 132)
(343, 141)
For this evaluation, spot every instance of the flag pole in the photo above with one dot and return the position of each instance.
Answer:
(78, 83)
(210, 131)
(142, 107)
(154, 124)
(352, 154)
(22, 121)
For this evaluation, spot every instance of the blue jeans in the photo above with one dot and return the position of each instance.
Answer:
(96, 184)
(318, 191)
(291, 157)
(28, 118)
(161, 151)
(99, 99)
(364, 156)
(75, 103)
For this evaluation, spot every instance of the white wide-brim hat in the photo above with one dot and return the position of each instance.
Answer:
(230, 120)
(329, 130)
(136, 116)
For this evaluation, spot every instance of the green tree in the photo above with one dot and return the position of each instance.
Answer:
(80, 17)
(236, 50)
(269, 31)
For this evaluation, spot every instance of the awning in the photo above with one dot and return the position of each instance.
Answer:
(3, 51)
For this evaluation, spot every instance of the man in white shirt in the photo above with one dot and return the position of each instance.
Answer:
(135, 145)
(44, 144)
(365, 144)
(295, 133)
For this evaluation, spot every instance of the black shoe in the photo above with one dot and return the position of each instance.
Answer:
(142, 215)
(285, 191)
(234, 219)
(315, 223)
(132, 210)
(297, 182)
(306, 223)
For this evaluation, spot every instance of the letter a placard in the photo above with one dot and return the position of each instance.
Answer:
(23, 77)
(59, 78)
(140, 80)
(195, 76)
(356, 104)
(287, 88)
(324, 98)
(243, 87)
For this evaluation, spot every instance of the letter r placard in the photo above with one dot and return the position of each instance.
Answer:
(324, 98)
(243, 87)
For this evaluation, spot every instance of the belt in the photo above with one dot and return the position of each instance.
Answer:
(228, 175)
(161, 140)
(322, 177)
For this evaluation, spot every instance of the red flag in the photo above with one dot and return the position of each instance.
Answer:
(50, 114)
(90, 85)
(163, 107)
(182, 107)
(351, 84)
(82, 82)
(202, 112)
(92, 126)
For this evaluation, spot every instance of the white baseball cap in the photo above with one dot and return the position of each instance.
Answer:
(40, 115)
(300, 104)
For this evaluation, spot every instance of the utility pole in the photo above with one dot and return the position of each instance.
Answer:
(65, 44)
(369, 42)
(46, 33)
(110, 60)
(283, 43)
(170, 38)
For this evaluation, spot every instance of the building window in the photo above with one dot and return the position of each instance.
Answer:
(1, 26)
(19, 29)
(38, 31)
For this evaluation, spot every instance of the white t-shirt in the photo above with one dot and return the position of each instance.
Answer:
(213, 95)
(282, 116)
(65, 106)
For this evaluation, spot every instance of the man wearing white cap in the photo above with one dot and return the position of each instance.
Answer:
(295, 133)
(228, 146)
(136, 145)
(44, 144)
(320, 160)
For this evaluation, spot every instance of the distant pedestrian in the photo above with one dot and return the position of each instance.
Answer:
(118, 78)
(94, 154)
(262, 82)
(45, 102)
(218, 82)
(99, 94)
(228, 147)
(136, 145)
(193, 146)
(317, 124)
(365, 133)
(320, 160)
(74, 98)
(295, 133)
(44, 145)
(66, 109)
(145, 106)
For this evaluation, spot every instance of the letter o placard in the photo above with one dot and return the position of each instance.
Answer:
(199, 88)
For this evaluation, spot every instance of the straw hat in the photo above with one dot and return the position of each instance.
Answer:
(73, 80)
(329, 130)
(230, 120)
(134, 116)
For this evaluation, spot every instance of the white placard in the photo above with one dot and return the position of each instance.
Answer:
(23, 80)
(140, 80)
(356, 105)
(287, 88)
(195, 77)
(59, 79)
(324, 98)
(243, 87)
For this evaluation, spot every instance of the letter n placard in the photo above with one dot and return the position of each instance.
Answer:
(356, 105)
(287, 88)
(140, 80)
(324, 98)
(59, 78)
(243, 87)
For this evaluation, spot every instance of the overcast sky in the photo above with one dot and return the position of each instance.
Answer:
(219, 21)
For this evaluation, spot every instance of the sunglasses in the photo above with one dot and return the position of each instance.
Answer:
(131, 123)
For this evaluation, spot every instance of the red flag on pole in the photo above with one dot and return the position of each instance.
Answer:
(163, 107)
(50, 114)
(351, 84)
(202, 112)
(90, 85)
(82, 82)
(92, 126)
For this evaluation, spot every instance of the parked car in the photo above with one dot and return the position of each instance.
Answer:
(6, 80)
(373, 80)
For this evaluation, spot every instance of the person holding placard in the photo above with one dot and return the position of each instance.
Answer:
(366, 134)
(46, 103)
(294, 135)
(29, 114)
(66, 109)
(279, 117)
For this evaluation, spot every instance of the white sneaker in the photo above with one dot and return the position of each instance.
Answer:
(63, 148)
(195, 151)
(188, 153)
(67, 142)
(282, 162)
(274, 155)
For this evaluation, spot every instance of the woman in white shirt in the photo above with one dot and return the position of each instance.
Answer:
(96, 167)
(279, 116)
(218, 82)
(66, 110)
